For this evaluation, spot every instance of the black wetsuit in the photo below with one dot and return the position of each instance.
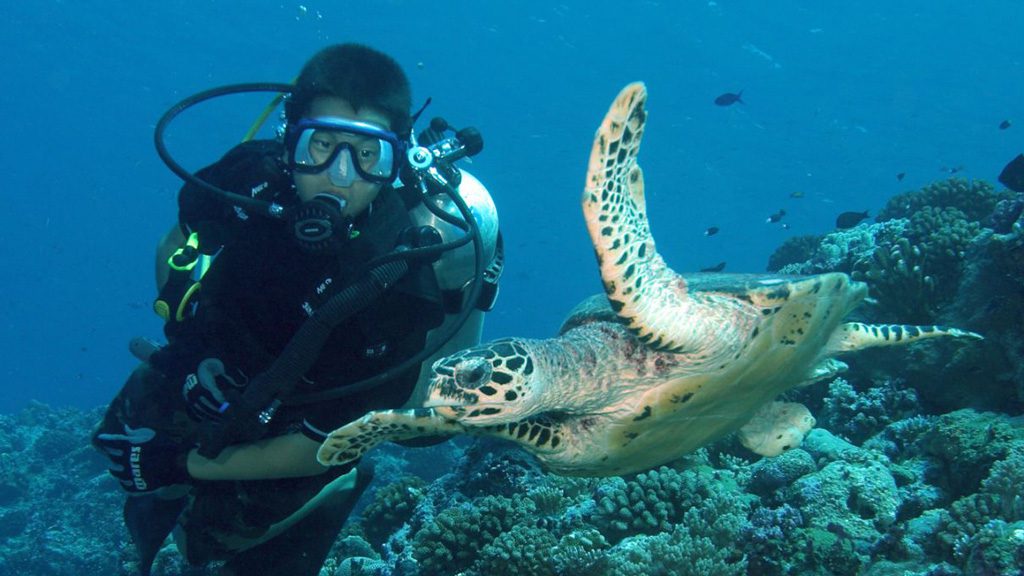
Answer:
(259, 290)
(262, 287)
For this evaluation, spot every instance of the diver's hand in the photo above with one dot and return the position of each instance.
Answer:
(204, 391)
(142, 461)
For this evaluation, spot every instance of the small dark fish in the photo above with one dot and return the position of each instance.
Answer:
(711, 231)
(850, 219)
(776, 217)
(716, 268)
(796, 194)
(1012, 175)
(952, 170)
(899, 177)
(728, 99)
(1005, 124)
(785, 226)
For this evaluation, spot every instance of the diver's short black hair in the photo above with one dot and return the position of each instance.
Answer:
(359, 74)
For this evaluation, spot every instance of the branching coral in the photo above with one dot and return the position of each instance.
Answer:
(901, 437)
(793, 251)
(453, 541)
(650, 503)
(680, 550)
(976, 198)
(690, 518)
(839, 251)
(859, 415)
(1005, 483)
(912, 258)
(524, 549)
(580, 553)
(974, 530)
(899, 283)
(549, 500)
(392, 507)
(768, 539)
(964, 519)
(913, 277)
(997, 549)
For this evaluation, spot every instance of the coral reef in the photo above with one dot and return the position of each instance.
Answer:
(968, 443)
(915, 276)
(914, 257)
(976, 198)
(842, 250)
(793, 251)
(60, 512)
(1005, 214)
(453, 540)
(930, 259)
(921, 491)
(916, 467)
(858, 416)
(990, 298)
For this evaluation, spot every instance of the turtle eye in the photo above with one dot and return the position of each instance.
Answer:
(473, 373)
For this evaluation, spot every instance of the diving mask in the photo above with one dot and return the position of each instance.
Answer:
(345, 149)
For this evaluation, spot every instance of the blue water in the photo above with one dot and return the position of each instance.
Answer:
(839, 99)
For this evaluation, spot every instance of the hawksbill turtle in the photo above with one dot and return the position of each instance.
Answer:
(660, 365)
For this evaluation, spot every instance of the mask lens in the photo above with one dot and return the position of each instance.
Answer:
(320, 147)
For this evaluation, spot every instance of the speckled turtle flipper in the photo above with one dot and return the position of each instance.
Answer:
(353, 440)
(853, 336)
(641, 288)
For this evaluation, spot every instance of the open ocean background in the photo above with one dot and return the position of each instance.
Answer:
(840, 97)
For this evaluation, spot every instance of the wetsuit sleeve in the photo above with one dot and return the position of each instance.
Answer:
(251, 169)
(403, 323)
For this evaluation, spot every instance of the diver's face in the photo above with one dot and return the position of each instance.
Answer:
(360, 193)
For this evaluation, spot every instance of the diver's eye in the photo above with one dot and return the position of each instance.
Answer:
(473, 373)
(320, 148)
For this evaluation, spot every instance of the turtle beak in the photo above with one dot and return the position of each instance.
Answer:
(449, 405)
(449, 412)
(451, 401)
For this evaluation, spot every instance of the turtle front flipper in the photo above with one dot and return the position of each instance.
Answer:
(353, 440)
(654, 302)
(852, 336)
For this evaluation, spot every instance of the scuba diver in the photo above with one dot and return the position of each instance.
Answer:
(346, 254)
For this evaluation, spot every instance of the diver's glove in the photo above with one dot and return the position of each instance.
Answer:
(204, 390)
(142, 460)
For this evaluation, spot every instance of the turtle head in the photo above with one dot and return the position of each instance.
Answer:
(482, 385)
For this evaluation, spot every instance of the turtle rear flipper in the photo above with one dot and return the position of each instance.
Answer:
(353, 440)
(853, 336)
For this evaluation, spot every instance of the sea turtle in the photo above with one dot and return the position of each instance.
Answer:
(658, 366)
